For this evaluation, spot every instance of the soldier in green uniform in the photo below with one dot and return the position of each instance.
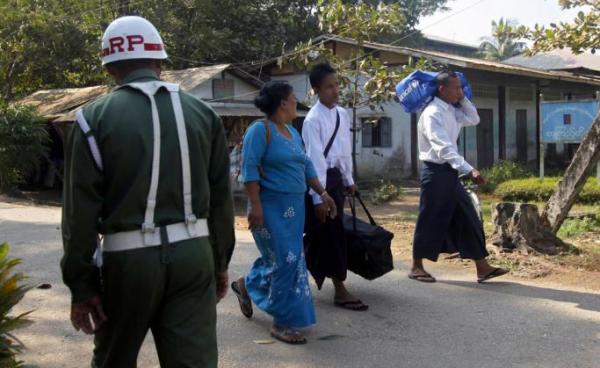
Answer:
(148, 217)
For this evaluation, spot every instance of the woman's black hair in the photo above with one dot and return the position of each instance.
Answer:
(318, 73)
(271, 95)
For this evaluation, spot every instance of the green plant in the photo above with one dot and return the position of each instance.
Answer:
(501, 172)
(23, 140)
(573, 227)
(11, 292)
(534, 189)
(384, 192)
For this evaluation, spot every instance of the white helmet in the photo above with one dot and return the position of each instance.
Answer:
(131, 37)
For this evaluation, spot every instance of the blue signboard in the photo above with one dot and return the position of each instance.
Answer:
(567, 121)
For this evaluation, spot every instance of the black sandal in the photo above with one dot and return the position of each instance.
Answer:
(497, 272)
(425, 277)
(353, 305)
(245, 302)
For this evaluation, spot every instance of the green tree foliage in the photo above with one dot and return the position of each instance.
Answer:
(503, 44)
(47, 44)
(23, 144)
(580, 35)
(56, 43)
(11, 292)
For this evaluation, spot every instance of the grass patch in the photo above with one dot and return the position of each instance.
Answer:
(574, 227)
(410, 216)
(385, 191)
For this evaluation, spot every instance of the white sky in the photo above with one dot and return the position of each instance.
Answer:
(470, 25)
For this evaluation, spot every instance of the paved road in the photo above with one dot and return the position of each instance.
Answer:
(454, 323)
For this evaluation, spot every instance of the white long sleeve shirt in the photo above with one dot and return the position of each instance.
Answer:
(317, 130)
(439, 127)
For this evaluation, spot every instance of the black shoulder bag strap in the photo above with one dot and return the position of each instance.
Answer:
(337, 127)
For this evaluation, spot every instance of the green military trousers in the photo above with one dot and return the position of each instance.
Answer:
(169, 289)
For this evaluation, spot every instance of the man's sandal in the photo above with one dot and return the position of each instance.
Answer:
(497, 272)
(423, 277)
(244, 301)
(353, 305)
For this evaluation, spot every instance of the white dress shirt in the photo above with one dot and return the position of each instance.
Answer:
(317, 130)
(439, 127)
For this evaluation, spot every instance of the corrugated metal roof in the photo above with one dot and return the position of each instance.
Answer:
(245, 111)
(59, 101)
(557, 60)
(59, 105)
(471, 63)
(191, 78)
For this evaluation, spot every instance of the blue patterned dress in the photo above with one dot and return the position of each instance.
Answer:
(278, 281)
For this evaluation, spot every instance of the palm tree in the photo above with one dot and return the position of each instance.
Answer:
(502, 45)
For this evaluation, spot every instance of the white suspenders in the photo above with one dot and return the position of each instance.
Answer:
(150, 235)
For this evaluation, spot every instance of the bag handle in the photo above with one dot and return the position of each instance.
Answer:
(362, 203)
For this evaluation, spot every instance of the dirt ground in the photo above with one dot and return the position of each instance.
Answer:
(578, 270)
(399, 216)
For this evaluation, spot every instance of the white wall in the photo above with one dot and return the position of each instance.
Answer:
(242, 90)
(394, 160)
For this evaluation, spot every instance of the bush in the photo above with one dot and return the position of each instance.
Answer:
(23, 140)
(11, 293)
(534, 189)
(385, 191)
(501, 172)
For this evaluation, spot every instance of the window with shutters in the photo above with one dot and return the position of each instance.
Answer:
(377, 132)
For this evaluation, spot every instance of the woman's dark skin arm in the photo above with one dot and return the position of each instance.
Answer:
(255, 212)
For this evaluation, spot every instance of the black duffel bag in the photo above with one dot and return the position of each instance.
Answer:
(369, 245)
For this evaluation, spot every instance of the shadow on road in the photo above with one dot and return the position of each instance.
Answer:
(585, 301)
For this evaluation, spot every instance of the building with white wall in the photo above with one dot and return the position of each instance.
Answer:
(507, 97)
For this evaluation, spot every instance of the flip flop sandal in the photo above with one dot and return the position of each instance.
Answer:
(497, 272)
(423, 278)
(285, 334)
(245, 303)
(353, 305)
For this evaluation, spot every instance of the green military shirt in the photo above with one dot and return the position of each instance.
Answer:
(114, 199)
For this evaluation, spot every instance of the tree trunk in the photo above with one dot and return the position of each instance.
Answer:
(517, 227)
(561, 201)
(123, 8)
(10, 80)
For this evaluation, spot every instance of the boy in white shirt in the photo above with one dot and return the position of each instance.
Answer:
(327, 135)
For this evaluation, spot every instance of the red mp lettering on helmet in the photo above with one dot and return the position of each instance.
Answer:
(116, 44)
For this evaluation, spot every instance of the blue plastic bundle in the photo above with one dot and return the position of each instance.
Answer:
(418, 89)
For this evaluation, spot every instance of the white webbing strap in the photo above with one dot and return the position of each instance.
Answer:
(87, 131)
(150, 89)
(190, 218)
(148, 227)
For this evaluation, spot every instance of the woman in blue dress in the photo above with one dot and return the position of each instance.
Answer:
(275, 171)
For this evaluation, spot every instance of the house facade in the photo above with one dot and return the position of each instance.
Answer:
(507, 98)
